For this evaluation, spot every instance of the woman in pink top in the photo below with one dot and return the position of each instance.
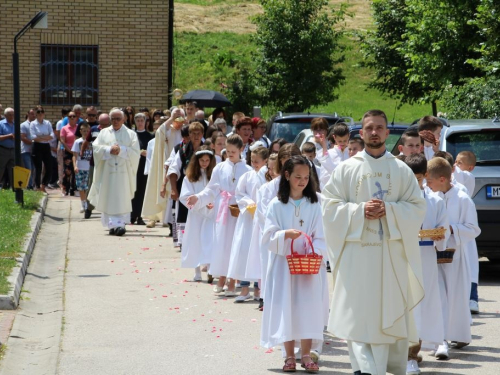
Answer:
(67, 139)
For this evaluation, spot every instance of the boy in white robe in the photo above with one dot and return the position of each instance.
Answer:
(116, 158)
(331, 158)
(465, 163)
(428, 314)
(296, 305)
(429, 128)
(455, 277)
(372, 212)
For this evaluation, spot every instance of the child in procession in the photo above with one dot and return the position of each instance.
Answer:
(455, 276)
(298, 304)
(428, 314)
(82, 165)
(218, 144)
(331, 158)
(246, 198)
(197, 246)
(356, 145)
(222, 190)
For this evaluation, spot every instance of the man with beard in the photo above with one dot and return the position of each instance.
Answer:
(372, 212)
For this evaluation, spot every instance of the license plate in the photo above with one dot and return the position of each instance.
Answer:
(493, 191)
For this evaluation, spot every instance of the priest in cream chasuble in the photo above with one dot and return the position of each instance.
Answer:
(372, 212)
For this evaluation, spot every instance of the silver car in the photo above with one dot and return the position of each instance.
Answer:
(482, 137)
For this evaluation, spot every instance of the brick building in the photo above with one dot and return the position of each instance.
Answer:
(104, 53)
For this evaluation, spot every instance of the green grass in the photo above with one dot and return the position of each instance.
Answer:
(204, 61)
(14, 225)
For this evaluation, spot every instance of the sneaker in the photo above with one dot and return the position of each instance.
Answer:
(230, 293)
(315, 356)
(241, 299)
(474, 307)
(442, 351)
(458, 344)
(217, 289)
(412, 368)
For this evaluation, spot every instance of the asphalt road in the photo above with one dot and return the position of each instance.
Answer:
(128, 308)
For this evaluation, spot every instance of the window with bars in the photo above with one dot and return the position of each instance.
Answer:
(69, 75)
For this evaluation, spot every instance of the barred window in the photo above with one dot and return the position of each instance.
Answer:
(69, 75)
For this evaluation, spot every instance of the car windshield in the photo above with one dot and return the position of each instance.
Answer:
(287, 130)
(484, 144)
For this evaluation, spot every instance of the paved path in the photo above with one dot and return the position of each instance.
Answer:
(127, 308)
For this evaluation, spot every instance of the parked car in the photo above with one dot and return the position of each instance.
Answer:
(482, 137)
(396, 130)
(289, 125)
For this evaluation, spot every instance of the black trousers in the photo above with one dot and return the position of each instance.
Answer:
(41, 154)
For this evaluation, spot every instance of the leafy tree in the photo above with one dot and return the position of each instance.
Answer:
(475, 98)
(299, 53)
(420, 47)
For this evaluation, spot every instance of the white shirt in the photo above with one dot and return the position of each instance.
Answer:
(25, 129)
(81, 164)
(37, 130)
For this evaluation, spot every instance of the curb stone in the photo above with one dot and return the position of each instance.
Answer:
(10, 301)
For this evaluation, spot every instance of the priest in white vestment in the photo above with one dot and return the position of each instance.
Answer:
(116, 158)
(372, 212)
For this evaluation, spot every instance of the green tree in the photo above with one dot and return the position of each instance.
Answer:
(420, 47)
(299, 53)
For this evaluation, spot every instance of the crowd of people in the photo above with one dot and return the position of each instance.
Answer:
(239, 205)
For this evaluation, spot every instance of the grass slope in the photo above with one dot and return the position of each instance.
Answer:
(14, 225)
(204, 61)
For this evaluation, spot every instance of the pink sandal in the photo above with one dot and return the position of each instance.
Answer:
(310, 367)
(290, 365)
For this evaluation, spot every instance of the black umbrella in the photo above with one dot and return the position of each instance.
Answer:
(206, 98)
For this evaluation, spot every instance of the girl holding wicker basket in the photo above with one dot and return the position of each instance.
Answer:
(296, 284)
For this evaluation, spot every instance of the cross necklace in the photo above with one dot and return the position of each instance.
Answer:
(297, 213)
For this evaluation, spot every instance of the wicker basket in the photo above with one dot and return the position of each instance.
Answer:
(234, 209)
(431, 233)
(251, 208)
(445, 256)
(307, 264)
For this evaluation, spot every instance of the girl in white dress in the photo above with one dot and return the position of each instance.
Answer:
(222, 190)
(246, 197)
(197, 244)
(296, 305)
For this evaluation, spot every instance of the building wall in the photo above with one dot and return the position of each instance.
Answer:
(132, 36)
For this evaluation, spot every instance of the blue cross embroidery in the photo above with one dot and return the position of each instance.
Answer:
(380, 195)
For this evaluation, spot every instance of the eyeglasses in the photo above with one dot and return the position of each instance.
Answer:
(116, 118)
(91, 115)
(40, 111)
(72, 116)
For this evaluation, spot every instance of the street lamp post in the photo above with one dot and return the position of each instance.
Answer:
(37, 22)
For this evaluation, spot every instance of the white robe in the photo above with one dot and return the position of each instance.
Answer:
(165, 141)
(296, 306)
(469, 181)
(428, 313)
(222, 189)
(267, 192)
(149, 156)
(253, 268)
(376, 264)
(246, 195)
(114, 175)
(199, 231)
(329, 162)
(455, 277)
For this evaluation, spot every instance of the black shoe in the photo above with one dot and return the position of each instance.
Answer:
(261, 304)
(171, 231)
(120, 231)
(328, 269)
(210, 278)
(88, 213)
(140, 221)
(112, 232)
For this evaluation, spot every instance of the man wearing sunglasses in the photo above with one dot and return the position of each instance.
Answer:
(90, 117)
(116, 158)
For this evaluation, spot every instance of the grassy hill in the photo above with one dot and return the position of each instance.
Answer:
(213, 36)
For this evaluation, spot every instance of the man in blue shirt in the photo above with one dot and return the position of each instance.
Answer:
(7, 145)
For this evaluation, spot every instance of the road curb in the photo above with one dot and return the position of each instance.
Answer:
(10, 301)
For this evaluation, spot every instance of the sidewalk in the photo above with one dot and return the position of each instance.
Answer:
(129, 309)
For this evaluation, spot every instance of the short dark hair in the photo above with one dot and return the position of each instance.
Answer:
(65, 111)
(185, 131)
(308, 147)
(410, 133)
(319, 123)
(373, 113)
(429, 123)
(284, 187)
(446, 156)
(357, 139)
(340, 130)
(417, 163)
